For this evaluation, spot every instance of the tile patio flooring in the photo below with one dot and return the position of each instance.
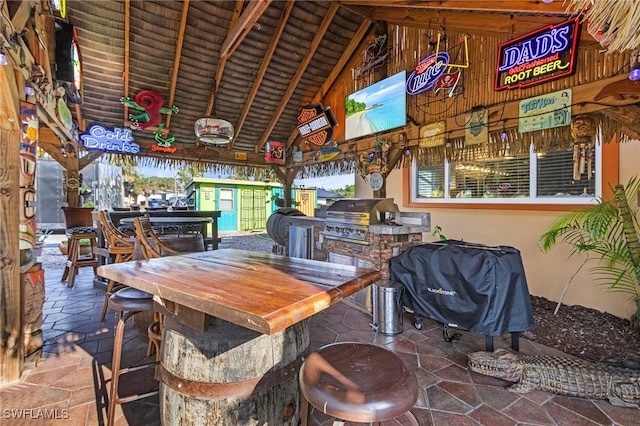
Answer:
(69, 379)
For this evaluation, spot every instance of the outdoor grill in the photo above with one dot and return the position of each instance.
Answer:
(349, 219)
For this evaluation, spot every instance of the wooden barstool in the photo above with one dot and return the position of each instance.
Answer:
(127, 302)
(79, 226)
(121, 247)
(358, 382)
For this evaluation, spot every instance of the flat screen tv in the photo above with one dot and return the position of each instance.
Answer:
(379, 107)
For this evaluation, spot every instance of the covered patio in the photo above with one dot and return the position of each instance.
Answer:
(267, 90)
(68, 384)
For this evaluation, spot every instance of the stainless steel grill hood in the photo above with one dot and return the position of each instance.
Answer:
(349, 219)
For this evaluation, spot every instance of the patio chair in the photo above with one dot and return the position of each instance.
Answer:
(79, 226)
(149, 243)
(120, 246)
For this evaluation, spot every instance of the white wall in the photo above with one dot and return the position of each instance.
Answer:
(547, 273)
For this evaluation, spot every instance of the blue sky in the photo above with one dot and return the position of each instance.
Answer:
(330, 182)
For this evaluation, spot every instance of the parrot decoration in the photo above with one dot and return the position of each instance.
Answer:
(149, 104)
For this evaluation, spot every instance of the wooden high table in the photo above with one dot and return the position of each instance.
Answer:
(236, 329)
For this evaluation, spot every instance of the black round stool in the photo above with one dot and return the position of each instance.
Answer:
(127, 303)
(358, 382)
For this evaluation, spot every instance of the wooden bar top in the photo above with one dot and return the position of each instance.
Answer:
(260, 291)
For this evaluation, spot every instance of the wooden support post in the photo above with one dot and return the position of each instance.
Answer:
(73, 184)
(11, 306)
(286, 176)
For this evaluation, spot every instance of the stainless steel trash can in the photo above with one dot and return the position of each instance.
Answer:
(387, 307)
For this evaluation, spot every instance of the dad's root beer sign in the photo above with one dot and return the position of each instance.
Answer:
(535, 58)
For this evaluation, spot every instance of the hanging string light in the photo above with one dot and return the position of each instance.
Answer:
(504, 135)
(3, 57)
(634, 75)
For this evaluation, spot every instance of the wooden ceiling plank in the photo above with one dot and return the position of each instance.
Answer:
(223, 61)
(176, 60)
(319, 35)
(263, 66)
(511, 6)
(359, 35)
(239, 31)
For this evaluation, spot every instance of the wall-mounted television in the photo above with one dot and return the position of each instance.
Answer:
(379, 107)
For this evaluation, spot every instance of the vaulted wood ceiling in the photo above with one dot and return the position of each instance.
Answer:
(253, 63)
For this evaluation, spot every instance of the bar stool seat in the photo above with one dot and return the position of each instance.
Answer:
(127, 302)
(75, 260)
(78, 223)
(358, 382)
(118, 245)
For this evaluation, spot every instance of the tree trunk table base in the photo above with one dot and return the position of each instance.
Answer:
(230, 375)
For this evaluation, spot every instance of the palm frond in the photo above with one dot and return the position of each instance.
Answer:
(609, 229)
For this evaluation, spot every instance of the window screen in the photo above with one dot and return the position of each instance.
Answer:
(561, 176)
(431, 182)
(495, 178)
(567, 173)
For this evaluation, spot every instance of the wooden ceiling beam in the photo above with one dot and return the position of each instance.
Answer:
(89, 158)
(223, 62)
(505, 6)
(53, 149)
(23, 14)
(482, 24)
(263, 67)
(357, 38)
(190, 152)
(239, 31)
(176, 61)
(319, 35)
(127, 47)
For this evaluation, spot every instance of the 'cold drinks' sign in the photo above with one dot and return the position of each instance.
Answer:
(543, 55)
(116, 140)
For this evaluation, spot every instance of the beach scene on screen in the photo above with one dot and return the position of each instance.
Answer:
(379, 107)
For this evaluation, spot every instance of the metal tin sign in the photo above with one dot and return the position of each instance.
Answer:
(540, 56)
(274, 152)
(316, 124)
(545, 112)
(116, 140)
(427, 73)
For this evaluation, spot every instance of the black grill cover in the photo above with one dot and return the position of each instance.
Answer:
(482, 289)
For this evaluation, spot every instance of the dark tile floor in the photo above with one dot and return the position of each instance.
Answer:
(68, 385)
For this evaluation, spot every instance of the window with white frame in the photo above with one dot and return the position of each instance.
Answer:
(569, 176)
(226, 199)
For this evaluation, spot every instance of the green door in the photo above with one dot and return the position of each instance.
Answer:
(253, 215)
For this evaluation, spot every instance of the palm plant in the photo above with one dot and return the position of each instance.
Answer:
(611, 231)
